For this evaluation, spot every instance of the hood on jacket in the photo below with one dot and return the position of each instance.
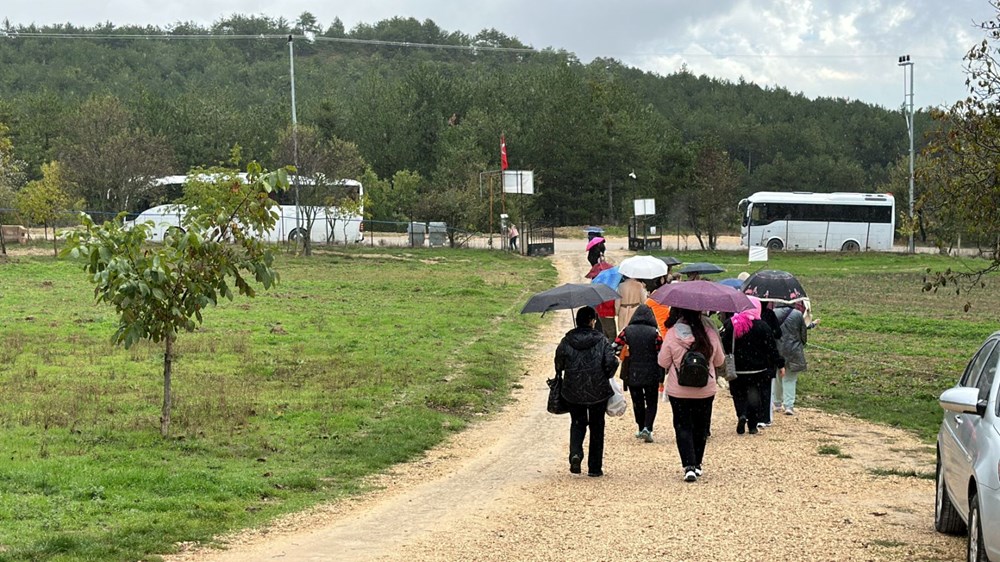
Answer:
(583, 337)
(643, 315)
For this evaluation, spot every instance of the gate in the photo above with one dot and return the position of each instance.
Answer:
(641, 237)
(541, 240)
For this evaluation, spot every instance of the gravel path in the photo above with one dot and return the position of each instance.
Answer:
(502, 491)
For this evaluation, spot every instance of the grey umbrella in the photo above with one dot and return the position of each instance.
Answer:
(569, 296)
(671, 261)
(702, 267)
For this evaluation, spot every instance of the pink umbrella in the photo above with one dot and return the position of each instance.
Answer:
(702, 295)
(594, 241)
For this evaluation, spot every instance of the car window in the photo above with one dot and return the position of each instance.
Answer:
(985, 382)
(971, 376)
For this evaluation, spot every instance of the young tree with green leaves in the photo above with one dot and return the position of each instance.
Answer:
(159, 290)
(45, 201)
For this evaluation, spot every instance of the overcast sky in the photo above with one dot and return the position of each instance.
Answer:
(821, 48)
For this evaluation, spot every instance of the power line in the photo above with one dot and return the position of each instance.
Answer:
(443, 46)
(282, 37)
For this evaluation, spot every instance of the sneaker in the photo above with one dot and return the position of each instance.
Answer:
(741, 426)
(647, 436)
(790, 412)
(689, 474)
(762, 425)
(698, 471)
(574, 464)
(638, 434)
(779, 408)
(754, 430)
(597, 474)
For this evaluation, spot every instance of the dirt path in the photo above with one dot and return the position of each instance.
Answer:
(502, 491)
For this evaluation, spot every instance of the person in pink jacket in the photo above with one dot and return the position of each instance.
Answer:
(691, 406)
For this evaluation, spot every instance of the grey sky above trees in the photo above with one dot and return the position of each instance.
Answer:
(821, 48)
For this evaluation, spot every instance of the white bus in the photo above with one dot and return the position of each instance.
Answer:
(329, 224)
(818, 221)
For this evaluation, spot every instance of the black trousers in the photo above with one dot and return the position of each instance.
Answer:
(752, 397)
(644, 404)
(691, 419)
(584, 416)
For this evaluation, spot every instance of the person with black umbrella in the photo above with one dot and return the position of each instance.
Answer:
(752, 343)
(586, 362)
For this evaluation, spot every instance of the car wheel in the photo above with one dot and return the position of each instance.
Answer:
(775, 244)
(296, 234)
(946, 517)
(976, 552)
(850, 246)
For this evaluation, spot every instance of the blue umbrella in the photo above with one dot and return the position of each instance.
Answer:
(732, 282)
(609, 277)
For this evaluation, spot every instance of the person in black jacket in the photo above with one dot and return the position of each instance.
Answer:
(757, 360)
(596, 253)
(644, 376)
(585, 361)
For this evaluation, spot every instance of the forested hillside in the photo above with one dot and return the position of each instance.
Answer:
(117, 103)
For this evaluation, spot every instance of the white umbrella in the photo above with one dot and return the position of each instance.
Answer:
(643, 267)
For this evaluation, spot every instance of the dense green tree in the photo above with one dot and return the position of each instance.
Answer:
(962, 193)
(112, 161)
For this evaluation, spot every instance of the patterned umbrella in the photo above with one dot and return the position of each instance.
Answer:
(774, 285)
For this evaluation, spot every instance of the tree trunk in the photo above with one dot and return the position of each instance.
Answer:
(3, 243)
(168, 359)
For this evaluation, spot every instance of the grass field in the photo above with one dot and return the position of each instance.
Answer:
(356, 361)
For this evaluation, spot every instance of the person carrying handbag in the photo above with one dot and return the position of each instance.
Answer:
(642, 340)
(585, 361)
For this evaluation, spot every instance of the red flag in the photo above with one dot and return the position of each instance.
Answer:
(503, 153)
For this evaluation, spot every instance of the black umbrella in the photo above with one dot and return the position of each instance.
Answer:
(671, 261)
(701, 267)
(774, 285)
(569, 296)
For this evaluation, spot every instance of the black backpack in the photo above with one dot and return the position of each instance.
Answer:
(693, 370)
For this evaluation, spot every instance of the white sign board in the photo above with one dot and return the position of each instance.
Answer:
(644, 207)
(519, 181)
(758, 253)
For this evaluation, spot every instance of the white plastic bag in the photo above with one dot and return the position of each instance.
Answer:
(616, 404)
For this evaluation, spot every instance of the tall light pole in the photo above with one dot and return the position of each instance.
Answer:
(905, 62)
(295, 137)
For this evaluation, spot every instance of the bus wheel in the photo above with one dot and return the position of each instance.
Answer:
(775, 244)
(850, 246)
(296, 234)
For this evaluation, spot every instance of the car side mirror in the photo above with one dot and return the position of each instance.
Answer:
(962, 400)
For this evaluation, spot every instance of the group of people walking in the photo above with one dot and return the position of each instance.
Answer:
(659, 348)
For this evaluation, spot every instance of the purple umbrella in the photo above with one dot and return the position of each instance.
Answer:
(702, 295)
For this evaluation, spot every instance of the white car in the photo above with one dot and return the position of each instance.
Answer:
(968, 457)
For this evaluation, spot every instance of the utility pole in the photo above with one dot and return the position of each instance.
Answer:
(295, 140)
(905, 62)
